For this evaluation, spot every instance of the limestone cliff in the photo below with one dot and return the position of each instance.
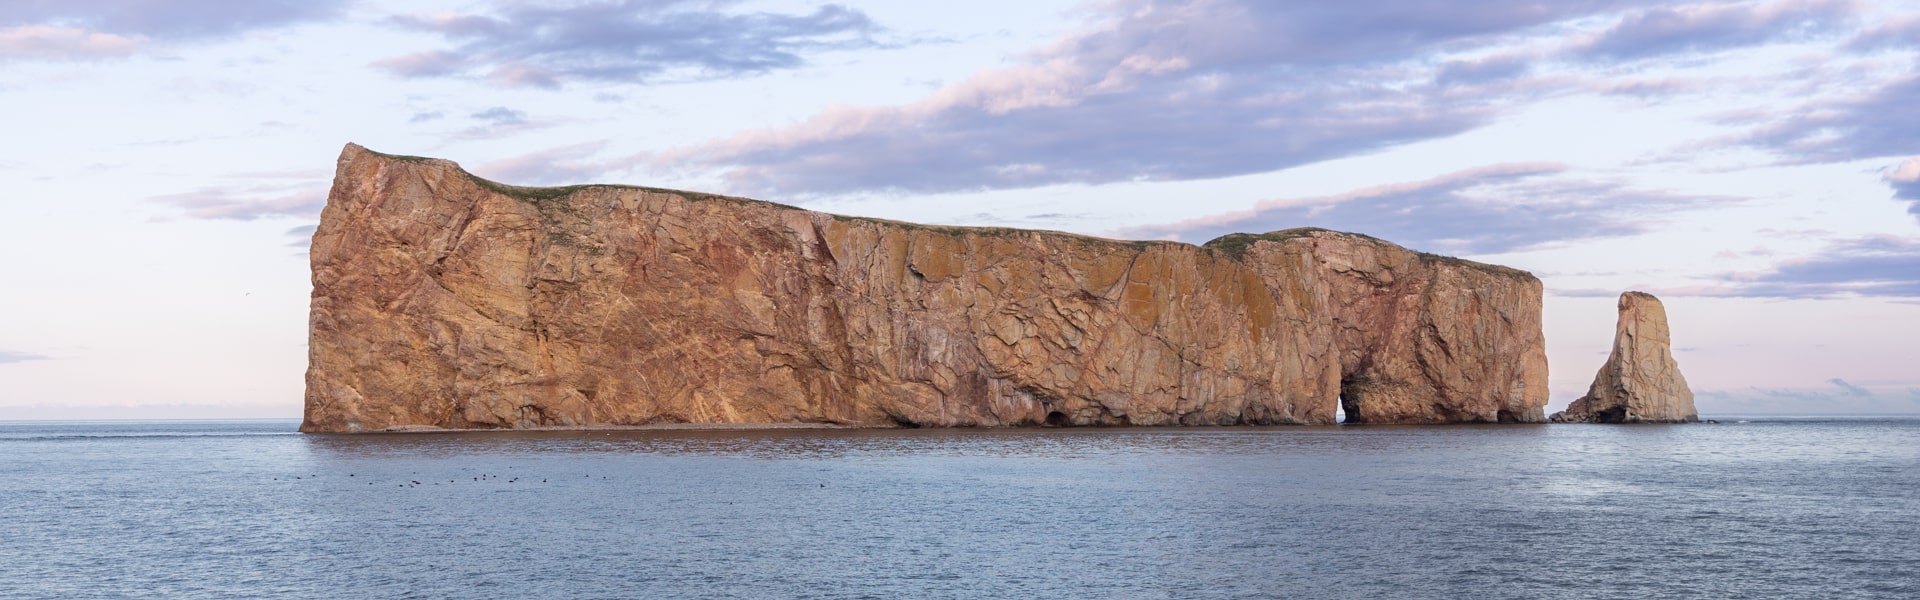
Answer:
(1640, 383)
(445, 300)
(1423, 338)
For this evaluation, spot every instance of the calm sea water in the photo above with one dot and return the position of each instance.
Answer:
(1762, 508)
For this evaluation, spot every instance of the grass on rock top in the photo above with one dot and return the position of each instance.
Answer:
(1236, 245)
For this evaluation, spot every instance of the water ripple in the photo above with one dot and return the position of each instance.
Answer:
(1803, 508)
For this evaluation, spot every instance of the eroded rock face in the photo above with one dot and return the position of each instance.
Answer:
(444, 300)
(1640, 383)
(1426, 339)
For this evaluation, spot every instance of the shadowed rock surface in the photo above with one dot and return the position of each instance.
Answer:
(1640, 383)
(445, 300)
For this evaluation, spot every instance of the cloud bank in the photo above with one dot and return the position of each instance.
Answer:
(1487, 210)
(1881, 121)
(64, 43)
(1714, 27)
(247, 203)
(7, 357)
(564, 165)
(1165, 90)
(97, 29)
(630, 41)
(171, 19)
(1840, 396)
(1883, 266)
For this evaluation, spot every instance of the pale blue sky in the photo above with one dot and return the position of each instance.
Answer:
(1756, 164)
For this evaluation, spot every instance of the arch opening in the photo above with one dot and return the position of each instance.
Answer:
(1350, 403)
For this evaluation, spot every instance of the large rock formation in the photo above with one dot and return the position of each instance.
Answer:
(1430, 339)
(1640, 383)
(445, 300)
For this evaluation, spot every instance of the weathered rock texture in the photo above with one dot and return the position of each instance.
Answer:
(1640, 383)
(444, 300)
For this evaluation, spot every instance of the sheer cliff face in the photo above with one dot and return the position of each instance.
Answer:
(1640, 382)
(1426, 339)
(444, 300)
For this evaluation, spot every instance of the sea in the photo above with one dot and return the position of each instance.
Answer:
(1750, 507)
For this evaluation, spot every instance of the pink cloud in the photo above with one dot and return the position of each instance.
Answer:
(422, 64)
(52, 42)
(563, 165)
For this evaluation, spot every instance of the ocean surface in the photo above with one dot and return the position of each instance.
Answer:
(1756, 507)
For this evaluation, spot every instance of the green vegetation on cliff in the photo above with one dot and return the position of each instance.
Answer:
(1236, 246)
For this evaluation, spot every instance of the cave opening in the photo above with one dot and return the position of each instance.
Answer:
(1506, 416)
(1348, 413)
(1616, 414)
(1057, 419)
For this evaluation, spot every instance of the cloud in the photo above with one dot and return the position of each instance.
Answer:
(249, 202)
(49, 42)
(1486, 210)
(1709, 27)
(64, 412)
(1905, 179)
(1883, 266)
(553, 166)
(493, 122)
(497, 125)
(1162, 91)
(1175, 90)
(423, 64)
(303, 236)
(1840, 398)
(1895, 34)
(1003, 132)
(1877, 123)
(1457, 72)
(501, 115)
(108, 29)
(7, 357)
(171, 19)
(531, 45)
(1851, 389)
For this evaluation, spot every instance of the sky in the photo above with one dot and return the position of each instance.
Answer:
(1755, 164)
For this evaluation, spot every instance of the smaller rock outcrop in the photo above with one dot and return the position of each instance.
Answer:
(1640, 383)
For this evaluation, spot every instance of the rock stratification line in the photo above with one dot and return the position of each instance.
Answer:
(444, 300)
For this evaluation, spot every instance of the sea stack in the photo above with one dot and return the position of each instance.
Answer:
(1641, 383)
(443, 300)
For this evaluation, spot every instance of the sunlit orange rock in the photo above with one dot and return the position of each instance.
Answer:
(1640, 382)
(444, 300)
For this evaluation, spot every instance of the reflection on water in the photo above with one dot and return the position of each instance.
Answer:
(1770, 508)
(812, 444)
